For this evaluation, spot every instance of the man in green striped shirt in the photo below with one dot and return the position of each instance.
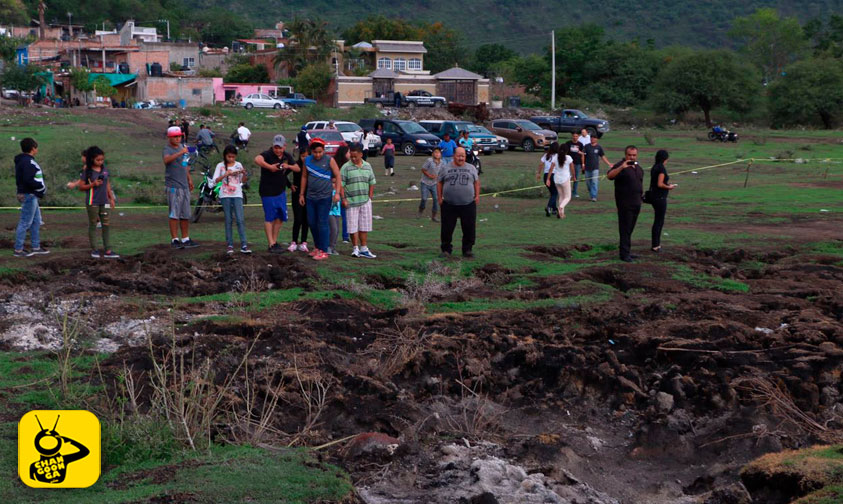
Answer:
(358, 187)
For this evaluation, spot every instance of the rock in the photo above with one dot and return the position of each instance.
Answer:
(733, 494)
(664, 402)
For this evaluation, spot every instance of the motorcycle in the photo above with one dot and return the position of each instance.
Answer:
(209, 195)
(718, 133)
(472, 156)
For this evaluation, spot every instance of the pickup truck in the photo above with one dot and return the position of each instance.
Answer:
(571, 120)
(298, 100)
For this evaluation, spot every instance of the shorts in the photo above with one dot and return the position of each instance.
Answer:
(275, 207)
(359, 218)
(178, 203)
(389, 162)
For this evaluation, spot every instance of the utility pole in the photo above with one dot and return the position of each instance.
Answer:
(552, 70)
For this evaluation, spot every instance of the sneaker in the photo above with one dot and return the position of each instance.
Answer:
(293, 247)
(109, 254)
(314, 252)
(468, 255)
(176, 244)
(367, 254)
(96, 254)
(444, 255)
(230, 250)
(594, 200)
(39, 251)
(303, 247)
(276, 249)
(346, 240)
(355, 252)
(21, 253)
(320, 256)
(246, 250)
(332, 251)
(577, 196)
(189, 244)
(99, 225)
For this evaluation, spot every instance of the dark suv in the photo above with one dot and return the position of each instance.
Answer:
(572, 120)
(409, 137)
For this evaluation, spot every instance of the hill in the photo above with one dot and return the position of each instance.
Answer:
(524, 26)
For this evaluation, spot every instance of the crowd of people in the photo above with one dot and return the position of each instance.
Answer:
(333, 193)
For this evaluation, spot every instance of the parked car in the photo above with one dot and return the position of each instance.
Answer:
(550, 136)
(422, 98)
(571, 120)
(409, 137)
(332, 138)
(10, 94)
(501, 143)
(351, 132)
(261, 100)
(520, 133)
(485, 142)
(298, 100)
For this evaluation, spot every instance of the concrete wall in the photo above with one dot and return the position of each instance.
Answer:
(353, 90)
(195, 91)
(212, 61)
(137, 60)
(219, 88)
(405, 87)
(483, 92)
(177, 52)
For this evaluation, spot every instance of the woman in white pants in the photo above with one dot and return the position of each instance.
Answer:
(562, 174)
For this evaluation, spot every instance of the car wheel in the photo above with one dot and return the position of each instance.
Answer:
(409, 149)
(528, 145)
(248, 106)
(277, 106)
(379, 106)
(591, 131)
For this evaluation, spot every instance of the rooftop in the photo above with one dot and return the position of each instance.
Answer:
(405, 46)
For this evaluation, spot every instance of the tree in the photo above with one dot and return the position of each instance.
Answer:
(22, 78)
(245, 73)
(381, 28)
(826, 37)
(811, 89)
(770, 41)
(575, 48)
(533, 72)
(314, 80)
(310, 43)
(705, 80)
(219, 27)
(103, 87)
(488, 54)
(13, 12)
(620, 73)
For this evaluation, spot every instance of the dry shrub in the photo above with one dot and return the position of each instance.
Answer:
(395, 350)
(441, 280)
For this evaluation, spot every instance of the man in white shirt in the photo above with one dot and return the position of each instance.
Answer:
(243, 135)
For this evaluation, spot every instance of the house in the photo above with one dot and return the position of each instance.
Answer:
(182, 54)
(455, 84)
(225, 91)
(189, 91)
(129, 32)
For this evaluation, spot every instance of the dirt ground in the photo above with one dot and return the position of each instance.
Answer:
(657, 395)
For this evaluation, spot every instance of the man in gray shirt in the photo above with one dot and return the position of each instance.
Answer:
(458, 191)
(205, 139)
(179, 185)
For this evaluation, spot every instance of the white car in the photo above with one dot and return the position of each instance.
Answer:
(261, 100)
(351, 132)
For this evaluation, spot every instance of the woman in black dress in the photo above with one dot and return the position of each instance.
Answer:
(659, 188)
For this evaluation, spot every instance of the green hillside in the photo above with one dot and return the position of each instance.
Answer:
(524, 25)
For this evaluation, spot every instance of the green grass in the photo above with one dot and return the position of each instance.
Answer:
(685, 274)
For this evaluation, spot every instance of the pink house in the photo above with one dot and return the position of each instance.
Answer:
(224, 91)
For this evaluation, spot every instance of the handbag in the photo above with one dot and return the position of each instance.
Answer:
(648, 197)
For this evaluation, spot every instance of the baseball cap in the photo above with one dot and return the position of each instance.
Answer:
(279, 140)
(173, 131)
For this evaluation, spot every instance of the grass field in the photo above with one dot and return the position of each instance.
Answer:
(790, 199)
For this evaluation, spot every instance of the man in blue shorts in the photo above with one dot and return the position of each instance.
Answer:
(275, 163)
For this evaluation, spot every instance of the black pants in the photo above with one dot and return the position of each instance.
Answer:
(551, 201)
(660, 209)
(299, 219)
(627, 217)
(467, 214)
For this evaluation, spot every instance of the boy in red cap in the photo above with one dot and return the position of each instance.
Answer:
(179, 186)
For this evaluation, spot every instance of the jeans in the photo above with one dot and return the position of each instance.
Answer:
(317, 216)
(98, 212)
(233, 207)
(627, 217)
(554, 194)
(334, 223)
(428, 190)
(467, 215)
(578, 171)
(29, 221)
(299, 220)
(591, 181)
(345, 236)
(660, 209)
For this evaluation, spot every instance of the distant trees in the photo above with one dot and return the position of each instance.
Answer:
(13, 12)
(769, 40)
(23, 78)
(487, 55)
(811, 91)
(314, 80)
(706, 80)
(246, 73)
(219, 27)
(310, 43)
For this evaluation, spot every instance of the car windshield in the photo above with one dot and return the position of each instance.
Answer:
(463, 126)
(479, 129)
(528, 125)
(580, 114)
(347, 128)
(328, 136)
(411, 127)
